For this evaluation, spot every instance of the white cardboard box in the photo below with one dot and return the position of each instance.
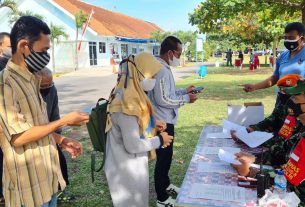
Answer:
(247, 114)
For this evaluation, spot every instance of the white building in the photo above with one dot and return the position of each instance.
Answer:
(109, 35)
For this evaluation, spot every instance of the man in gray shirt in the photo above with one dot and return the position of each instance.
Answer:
(167, 99)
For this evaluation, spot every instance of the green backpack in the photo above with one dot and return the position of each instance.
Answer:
(96, 129)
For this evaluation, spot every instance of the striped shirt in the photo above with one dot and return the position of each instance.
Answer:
(31, 172)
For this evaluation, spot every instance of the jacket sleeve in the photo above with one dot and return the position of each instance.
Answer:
(164, 96)
(131, 137)
(181, 91)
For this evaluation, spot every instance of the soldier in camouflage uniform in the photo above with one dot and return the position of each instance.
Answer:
(275, 122)
(290, 153)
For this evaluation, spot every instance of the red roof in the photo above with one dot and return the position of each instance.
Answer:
(109, 23)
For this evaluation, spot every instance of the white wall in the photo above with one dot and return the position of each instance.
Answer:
(65, 49)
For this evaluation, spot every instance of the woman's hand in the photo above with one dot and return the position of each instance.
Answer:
(167, 139)
(161, 125)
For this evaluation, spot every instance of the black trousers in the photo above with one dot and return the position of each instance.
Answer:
(163, 164)
(63, 165)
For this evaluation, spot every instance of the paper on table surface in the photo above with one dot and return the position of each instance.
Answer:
(215, 167)
(215, 150)
(228, 126)
(218, 192)
(219, 135)
(253, 139)
(228, 157)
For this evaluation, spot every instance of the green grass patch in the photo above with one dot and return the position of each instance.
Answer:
(221, 88)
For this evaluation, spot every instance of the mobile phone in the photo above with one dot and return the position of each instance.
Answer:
(197, 89)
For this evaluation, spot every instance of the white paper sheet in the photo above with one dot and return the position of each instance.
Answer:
(219, 135)
(218, 192)
(228, 126)
(253, 139)
(215, 167)
(215, 150)
(228, 157)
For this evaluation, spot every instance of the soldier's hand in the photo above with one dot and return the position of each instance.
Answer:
(248, 87)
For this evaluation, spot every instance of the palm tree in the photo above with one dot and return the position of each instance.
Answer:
(56, 33)
(80, 19)
(9, 4)
(19, 14)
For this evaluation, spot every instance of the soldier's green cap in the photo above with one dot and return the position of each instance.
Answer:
(298, 89)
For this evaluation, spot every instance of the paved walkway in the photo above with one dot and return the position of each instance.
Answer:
(81, 89)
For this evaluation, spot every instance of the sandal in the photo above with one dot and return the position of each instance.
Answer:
(65, 196)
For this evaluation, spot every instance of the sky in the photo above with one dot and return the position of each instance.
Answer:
(170, 15)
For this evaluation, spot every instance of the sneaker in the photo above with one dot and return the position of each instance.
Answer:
(167, 203)
(172, 190)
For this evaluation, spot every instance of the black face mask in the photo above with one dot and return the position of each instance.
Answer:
(3, 62)
(45, 92)
(36, 61)
(291, 45)
(283, 98)
(294, 109)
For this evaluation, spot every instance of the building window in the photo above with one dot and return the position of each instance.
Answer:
(134, 50)
(102, 47)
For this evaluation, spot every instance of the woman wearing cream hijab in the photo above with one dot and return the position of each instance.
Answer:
(131, 132)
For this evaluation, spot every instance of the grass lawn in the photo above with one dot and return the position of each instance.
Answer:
(221, 88)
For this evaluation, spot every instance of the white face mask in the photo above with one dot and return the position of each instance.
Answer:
(148, 84)
(175, 62)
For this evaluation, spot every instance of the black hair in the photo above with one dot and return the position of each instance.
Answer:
(2, 36)
(169, 43)
(295, 26)
(29, 28)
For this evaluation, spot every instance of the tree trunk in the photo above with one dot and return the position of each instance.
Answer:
(275, 42)
(53, 56)
(76, 55)
(303, 15)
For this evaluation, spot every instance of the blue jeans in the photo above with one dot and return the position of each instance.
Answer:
(52, 202)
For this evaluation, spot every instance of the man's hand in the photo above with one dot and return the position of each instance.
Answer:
(245, 157)
(234, 136)
(161, 125)
(248, 87)
(193, 97)
(190, 88)
(246, 160)
(72, 146)
(76, 118)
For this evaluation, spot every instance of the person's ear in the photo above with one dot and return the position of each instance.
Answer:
(170, 54)
(22, 46)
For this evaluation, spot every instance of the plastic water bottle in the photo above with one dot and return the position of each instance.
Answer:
(280, 183)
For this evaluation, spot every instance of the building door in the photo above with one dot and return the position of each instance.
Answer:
(92, 53)
(124, 51)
